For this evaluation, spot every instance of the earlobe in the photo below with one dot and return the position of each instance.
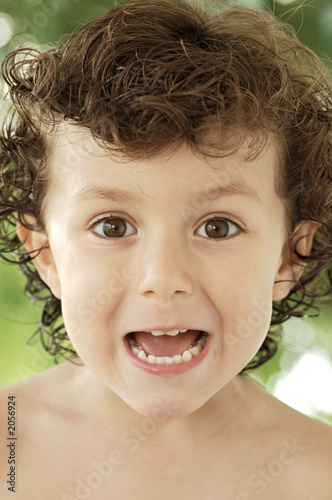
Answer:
(291, 265)
(37, 244)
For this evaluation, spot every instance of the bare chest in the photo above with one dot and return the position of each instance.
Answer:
(74, 465)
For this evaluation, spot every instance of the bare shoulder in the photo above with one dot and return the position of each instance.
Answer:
(28, 410)
(41, 393)
(29, 401)
(302, 448)
(314, 470)
(313, 442)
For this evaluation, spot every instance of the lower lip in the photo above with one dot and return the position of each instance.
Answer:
(173, 369)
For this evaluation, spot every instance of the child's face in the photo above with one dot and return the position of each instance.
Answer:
(164, 270)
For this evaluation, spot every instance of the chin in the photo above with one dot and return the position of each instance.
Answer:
(166, 407)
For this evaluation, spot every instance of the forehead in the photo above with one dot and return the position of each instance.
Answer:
(78, 166)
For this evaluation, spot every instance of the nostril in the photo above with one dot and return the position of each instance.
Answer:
(158, 280)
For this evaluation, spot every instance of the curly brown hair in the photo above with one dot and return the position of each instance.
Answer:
(155, 73)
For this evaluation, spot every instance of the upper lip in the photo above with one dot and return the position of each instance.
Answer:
(167, 328)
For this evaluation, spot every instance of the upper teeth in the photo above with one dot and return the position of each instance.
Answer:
(172, 333)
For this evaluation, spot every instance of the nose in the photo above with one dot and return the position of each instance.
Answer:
(165, 271)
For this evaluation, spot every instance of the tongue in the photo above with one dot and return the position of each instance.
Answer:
(165, 345)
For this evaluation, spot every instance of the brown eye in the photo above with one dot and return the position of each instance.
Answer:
(217, 228)
(114, 228)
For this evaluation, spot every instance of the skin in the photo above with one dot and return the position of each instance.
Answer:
(166, 270)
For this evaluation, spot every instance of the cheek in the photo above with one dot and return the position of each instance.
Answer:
(246, 333)
(90, 297)
(90, 280)
(244, 302)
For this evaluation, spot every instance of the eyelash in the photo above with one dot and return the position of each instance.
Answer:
(216, 218)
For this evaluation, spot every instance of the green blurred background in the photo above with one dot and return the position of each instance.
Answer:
(301, 373)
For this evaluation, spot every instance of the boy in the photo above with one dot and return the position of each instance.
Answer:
(168, 172)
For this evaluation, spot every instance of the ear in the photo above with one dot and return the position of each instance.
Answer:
(290, 265)
(36, 242)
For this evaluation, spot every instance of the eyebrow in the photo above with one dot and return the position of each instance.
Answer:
(211, 194)
(118, 195)
(233, 189)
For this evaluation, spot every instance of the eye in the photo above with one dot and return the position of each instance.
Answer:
(218, 228)
(113, 227)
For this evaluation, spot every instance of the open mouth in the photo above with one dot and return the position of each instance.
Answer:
(167, 348)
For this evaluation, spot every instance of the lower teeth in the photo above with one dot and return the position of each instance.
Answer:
(193, 351)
